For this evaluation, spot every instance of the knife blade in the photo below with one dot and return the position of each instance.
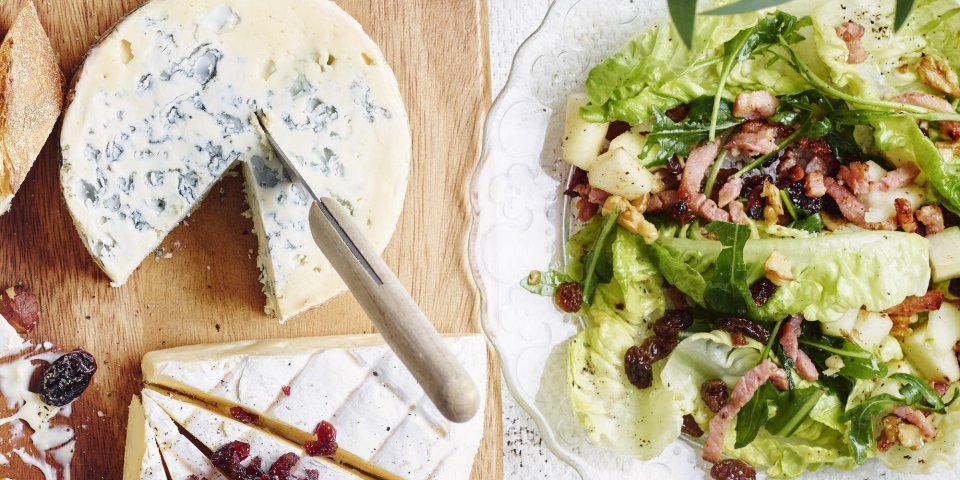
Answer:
(401, 322)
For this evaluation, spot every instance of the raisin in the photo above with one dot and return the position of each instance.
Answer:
(950, 219)
(656, 348)
(242, 415)
(762, 291)
(230, 454)
(326, 443)
(673, 167)
(569, 297)
(639, 373)
(955, 287)
(672, 323)
(732, 470)
(754, 182)
(798, 195)
(283, 466)
(747, 327)
(682, 213)
(714, 394)
(67, 378)
(617, 128)
(678, 113)
(754, 208)
(690, 427)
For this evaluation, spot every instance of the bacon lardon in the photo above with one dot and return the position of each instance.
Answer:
(852, 34)
(789, 340)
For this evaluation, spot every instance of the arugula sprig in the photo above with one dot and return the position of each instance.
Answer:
(914, 393)
(750, 42)
(678, 138)
(727, 290)
(792, 408)
(683, 13)
(592, 260)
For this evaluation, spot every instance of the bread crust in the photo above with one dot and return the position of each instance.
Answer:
(31, 98)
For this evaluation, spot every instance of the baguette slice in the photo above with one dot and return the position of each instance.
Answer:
(31, 97)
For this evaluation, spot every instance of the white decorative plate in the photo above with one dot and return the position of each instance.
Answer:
(521, 220)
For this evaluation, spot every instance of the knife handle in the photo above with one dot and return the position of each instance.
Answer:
(401, 322)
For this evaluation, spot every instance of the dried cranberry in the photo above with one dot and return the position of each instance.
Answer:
(569, 297)
(283, 466)
(230, 454)
(690, 427)
(762, 290)
(656, 348)
(577, 178)
(326, 443)
(747, 327)
(67, 378)
(312, 475)
(714, 394)
(639, 373)
(286, 390)
(242, 415)
(732, 470)
(617, 128)
(672, 323)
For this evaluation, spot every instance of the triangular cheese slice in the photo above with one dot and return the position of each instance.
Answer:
(214, 430)
(385, 423)
(180, 456)
(161, 110)
(142, 459)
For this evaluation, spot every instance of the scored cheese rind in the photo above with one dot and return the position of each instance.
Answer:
(382, 416)
(142, 459)
(162, 108)
(180, 456)
(214, 430)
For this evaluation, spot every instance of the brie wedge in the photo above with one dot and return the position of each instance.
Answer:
(141, 459)
(385, 423)
(214, 431)
(162, 109)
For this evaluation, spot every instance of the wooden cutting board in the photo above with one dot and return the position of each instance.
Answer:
(208, 290)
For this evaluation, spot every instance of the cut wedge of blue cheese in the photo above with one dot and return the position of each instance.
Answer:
(384, 421)
(162, 109)
(214, 431)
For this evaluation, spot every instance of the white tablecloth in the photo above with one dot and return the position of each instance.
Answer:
(524, 455)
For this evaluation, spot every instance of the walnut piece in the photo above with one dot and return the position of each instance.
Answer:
(19, 306)
(777, 269)
(936, 73)
(631, 216)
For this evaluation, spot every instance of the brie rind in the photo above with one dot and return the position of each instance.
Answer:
(214, 430)
(141, 459)
(355, 382)
(180, 456)
(162, 109)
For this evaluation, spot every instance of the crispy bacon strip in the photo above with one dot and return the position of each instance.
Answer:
(931, 216)
(737, 214)
(742, 393)
(900, 177)
(854, 176)
(851, 207)
(696, 167)
(917, 418)
(813, 185)
(755, 105)
(705, 207)
(912, 305)
(662, 201)
(852, 34)
(755, 137)
(905, 215)
(730, 191)
(789, 340)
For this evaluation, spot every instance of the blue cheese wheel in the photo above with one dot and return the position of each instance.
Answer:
(162, 109)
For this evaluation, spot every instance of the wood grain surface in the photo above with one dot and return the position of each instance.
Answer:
(208, 291)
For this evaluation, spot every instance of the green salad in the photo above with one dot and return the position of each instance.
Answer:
(767, 249)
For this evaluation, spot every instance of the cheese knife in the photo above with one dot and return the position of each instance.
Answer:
(401, 322)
